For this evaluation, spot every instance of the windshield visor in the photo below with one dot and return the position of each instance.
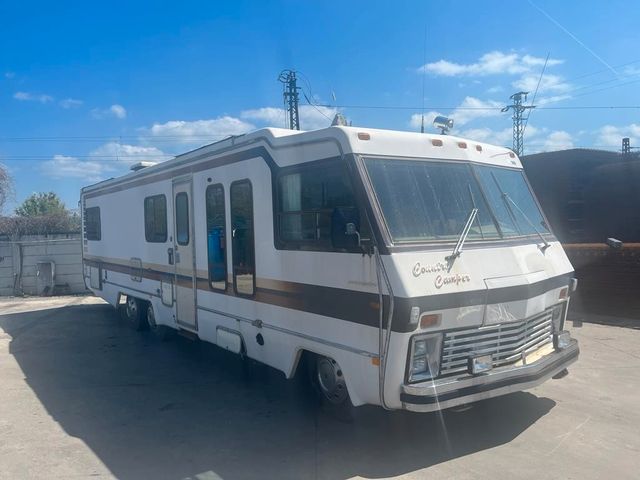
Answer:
(425, 201)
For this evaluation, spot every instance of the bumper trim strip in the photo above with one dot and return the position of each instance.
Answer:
(434, 396)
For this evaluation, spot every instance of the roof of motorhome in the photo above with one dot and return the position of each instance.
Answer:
(358, 140)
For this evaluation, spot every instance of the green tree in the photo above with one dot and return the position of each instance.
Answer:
(42, 204)
(6, 186)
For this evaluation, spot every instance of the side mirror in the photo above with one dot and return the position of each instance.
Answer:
(345, 223)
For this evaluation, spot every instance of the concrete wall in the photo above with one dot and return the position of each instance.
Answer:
(38, 265)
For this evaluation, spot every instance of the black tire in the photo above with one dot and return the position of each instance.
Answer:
(161, 331)
(328, 382)
(135, 311)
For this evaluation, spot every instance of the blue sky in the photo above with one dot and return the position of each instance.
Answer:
(86, 89)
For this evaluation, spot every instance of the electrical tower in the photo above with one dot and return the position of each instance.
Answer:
(290, 95)
(518, 127)
(626, 147)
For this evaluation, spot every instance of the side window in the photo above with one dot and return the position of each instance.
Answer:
(243, 252)
(182, 218)
(155, 219)
(92, 227)
(216, 237)
(313, 204)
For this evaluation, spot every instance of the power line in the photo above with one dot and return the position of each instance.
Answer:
(418, 108)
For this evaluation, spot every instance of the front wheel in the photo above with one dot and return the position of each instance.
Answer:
(329, 383)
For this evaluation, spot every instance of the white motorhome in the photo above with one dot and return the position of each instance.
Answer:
(411, 271)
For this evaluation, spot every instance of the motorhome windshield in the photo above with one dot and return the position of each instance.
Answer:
(431, 200)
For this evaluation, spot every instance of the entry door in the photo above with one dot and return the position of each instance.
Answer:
(184, 257)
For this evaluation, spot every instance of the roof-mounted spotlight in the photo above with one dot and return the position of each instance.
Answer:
(443, 123)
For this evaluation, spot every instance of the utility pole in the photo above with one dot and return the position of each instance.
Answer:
(518, 128)
(290, 95)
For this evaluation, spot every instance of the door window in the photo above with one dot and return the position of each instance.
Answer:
(182, 218)
(216, 237)
(242, 234)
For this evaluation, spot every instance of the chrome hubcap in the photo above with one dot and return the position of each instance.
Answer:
(132, 307)
(331, 380)
(151, 317)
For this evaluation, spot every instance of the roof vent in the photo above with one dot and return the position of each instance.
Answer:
(140, 165)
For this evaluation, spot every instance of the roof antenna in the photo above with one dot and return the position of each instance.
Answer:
(424, 74)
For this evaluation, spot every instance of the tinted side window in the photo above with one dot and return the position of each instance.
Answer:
(182, 218)
(307, 200)
(242, 235)
(155, 218)
(92, 227)
(216, 237)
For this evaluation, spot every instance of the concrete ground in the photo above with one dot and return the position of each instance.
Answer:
(82, 395)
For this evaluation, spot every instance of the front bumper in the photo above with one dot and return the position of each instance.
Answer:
(449, 392)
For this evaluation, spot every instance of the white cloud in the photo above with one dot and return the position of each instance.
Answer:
(32, 97)
(469, 109)
(311, 117)
(558, 140)
(611, 136)
(115, 110)
(503, 137)
(488, 135)
(472, 108)
(62, 166)
(631, 70)
(415, 122)
(123, 154)
(275, 117)
(548, 83)
(107, 160)
(495, 89)
(118, 111)
(200, 131)
(492, 63)
(70, 103)
(539, 61)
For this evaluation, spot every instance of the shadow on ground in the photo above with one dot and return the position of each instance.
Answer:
(184, 409)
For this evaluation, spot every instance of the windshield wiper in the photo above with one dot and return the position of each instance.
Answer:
(507, 198)
(457, 250)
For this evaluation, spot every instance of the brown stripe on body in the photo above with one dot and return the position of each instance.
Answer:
(353, 305)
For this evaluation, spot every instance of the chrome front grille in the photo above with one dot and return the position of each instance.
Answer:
(505, 342)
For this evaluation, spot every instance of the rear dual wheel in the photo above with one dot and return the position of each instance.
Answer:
(161, 331)
(135, 313)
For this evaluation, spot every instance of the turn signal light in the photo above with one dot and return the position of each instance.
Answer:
(364, 136)
(564, 293)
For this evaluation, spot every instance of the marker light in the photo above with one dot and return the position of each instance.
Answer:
(436, 142)
(564, 293)
(462, 144)
(430, 320)
(414, 316)
(364, 136)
